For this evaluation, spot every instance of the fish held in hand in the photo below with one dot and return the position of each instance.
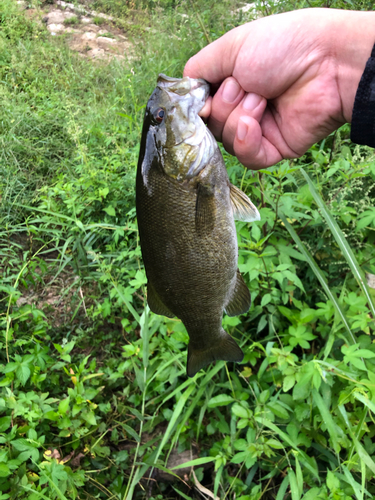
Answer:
(186, 208)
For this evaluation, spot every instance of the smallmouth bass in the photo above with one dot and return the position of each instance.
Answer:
(186, 208)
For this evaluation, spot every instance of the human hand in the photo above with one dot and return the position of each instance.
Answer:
(285, 81)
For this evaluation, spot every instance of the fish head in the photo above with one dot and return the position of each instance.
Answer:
(173, 133)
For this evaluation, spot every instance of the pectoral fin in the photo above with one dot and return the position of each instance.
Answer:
(243, 209)
(225, 349)
(240, 300)
(205, 210)
(155, 303)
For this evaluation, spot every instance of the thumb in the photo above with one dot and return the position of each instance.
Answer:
(216, 61)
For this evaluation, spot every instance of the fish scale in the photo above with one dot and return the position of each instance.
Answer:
(186, 224)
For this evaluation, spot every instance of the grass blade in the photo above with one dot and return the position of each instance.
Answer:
(327, 419)
(341, 241)
(195, 462)
(356, 487)
(370, 405)
(176, 413)
(293, 485)
(283, 487)
(318, 273)
(182, 495)
(362, 453)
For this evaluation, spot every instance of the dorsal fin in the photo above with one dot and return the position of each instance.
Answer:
(240, 300)
(243, 209)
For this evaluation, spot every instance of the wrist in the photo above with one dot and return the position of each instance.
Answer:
(353, 38)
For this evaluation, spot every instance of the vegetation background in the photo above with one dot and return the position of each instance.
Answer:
(94, 399)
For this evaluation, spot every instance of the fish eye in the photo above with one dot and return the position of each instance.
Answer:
(159, 115)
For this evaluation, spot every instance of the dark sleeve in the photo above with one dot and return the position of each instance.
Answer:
(363, 118)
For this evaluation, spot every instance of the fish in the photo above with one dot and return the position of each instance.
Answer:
(186, 208)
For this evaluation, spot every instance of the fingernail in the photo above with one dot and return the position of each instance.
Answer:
(241, 130)
(251, 101)
(231, 91)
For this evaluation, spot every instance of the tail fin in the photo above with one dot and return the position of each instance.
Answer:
(225, 349)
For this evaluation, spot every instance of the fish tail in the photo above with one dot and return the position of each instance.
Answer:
(225, 349)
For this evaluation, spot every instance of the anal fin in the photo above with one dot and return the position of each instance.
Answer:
(240, 300)
(225, 349)
(243, 209)
(155, 303)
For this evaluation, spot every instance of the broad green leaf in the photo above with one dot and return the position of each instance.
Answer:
(23, 373)
(288, 382)
(5, 423)
(241, 412)
(220, 400)
(64, 405)
(89, 416)
(278, 410)
(131, 432)
(4, 470)
(333, 482)
(110, 210)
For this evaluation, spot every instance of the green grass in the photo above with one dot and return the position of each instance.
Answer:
(98, 20)
(93, 392)
(72, 21)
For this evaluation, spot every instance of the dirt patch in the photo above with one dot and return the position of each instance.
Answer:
(92, 34)
(58, 299)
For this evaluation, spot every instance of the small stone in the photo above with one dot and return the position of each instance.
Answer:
(89, 36)
(106, 43)
(55, 17)
(55, 27)
(370, 280)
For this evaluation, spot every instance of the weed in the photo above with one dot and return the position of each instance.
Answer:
(72, 21)
(107, 35)
(93, 392)
(98, 20)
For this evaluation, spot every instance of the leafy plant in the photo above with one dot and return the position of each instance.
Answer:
(94, 398)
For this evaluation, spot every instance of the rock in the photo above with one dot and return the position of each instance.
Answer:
(85, 37)
(97, 53)
(370, 278)
(55, 17)
(91, 27)
(89, 35)
(106, 43)
(55, 28)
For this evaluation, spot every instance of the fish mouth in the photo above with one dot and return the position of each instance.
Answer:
(198, 88)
